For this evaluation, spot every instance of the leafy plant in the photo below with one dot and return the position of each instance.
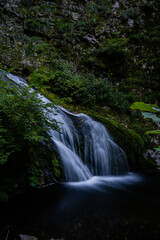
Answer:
(24, 140)
(82, 88)
(151, 112)
(24, 119)
(56, 167)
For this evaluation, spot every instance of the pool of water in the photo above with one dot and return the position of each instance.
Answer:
(114, 207)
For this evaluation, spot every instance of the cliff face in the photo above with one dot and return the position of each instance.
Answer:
(118, 39)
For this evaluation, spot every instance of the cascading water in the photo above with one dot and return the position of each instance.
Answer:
(85, 147)
(99, 153)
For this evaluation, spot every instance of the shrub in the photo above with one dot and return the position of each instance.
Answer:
(24, 119)
(24, 123)
(80, 88)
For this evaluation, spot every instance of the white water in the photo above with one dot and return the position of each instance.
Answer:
(101, 183)
(85, 147)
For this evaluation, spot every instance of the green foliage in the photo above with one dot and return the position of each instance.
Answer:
(33, 181)
(24, 119)
(100, 35)
(143, 107)
(110, 56)
(56, 167)
(35, 47)
(63, 26)
(34, 173)
(153, 132)
(80, 88)
(152, 113)
(158, 149)
(151, 116)
(24, 123)
(34, 25)
(156, 109)
(41, 78)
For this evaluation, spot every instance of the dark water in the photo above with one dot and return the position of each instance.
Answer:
(126, 207)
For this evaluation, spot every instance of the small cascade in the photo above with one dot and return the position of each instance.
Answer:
(100, 153)
(85, 147)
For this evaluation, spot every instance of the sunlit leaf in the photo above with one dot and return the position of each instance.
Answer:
(153, 132)
(143, 107)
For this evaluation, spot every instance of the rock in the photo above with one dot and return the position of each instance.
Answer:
(75, 16)
(91, 39)
(27, 237)
(57, 239)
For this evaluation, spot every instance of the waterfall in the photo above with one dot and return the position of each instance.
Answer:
(85, 147)
(100, 155)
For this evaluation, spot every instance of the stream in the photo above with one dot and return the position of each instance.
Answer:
(115, 207)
